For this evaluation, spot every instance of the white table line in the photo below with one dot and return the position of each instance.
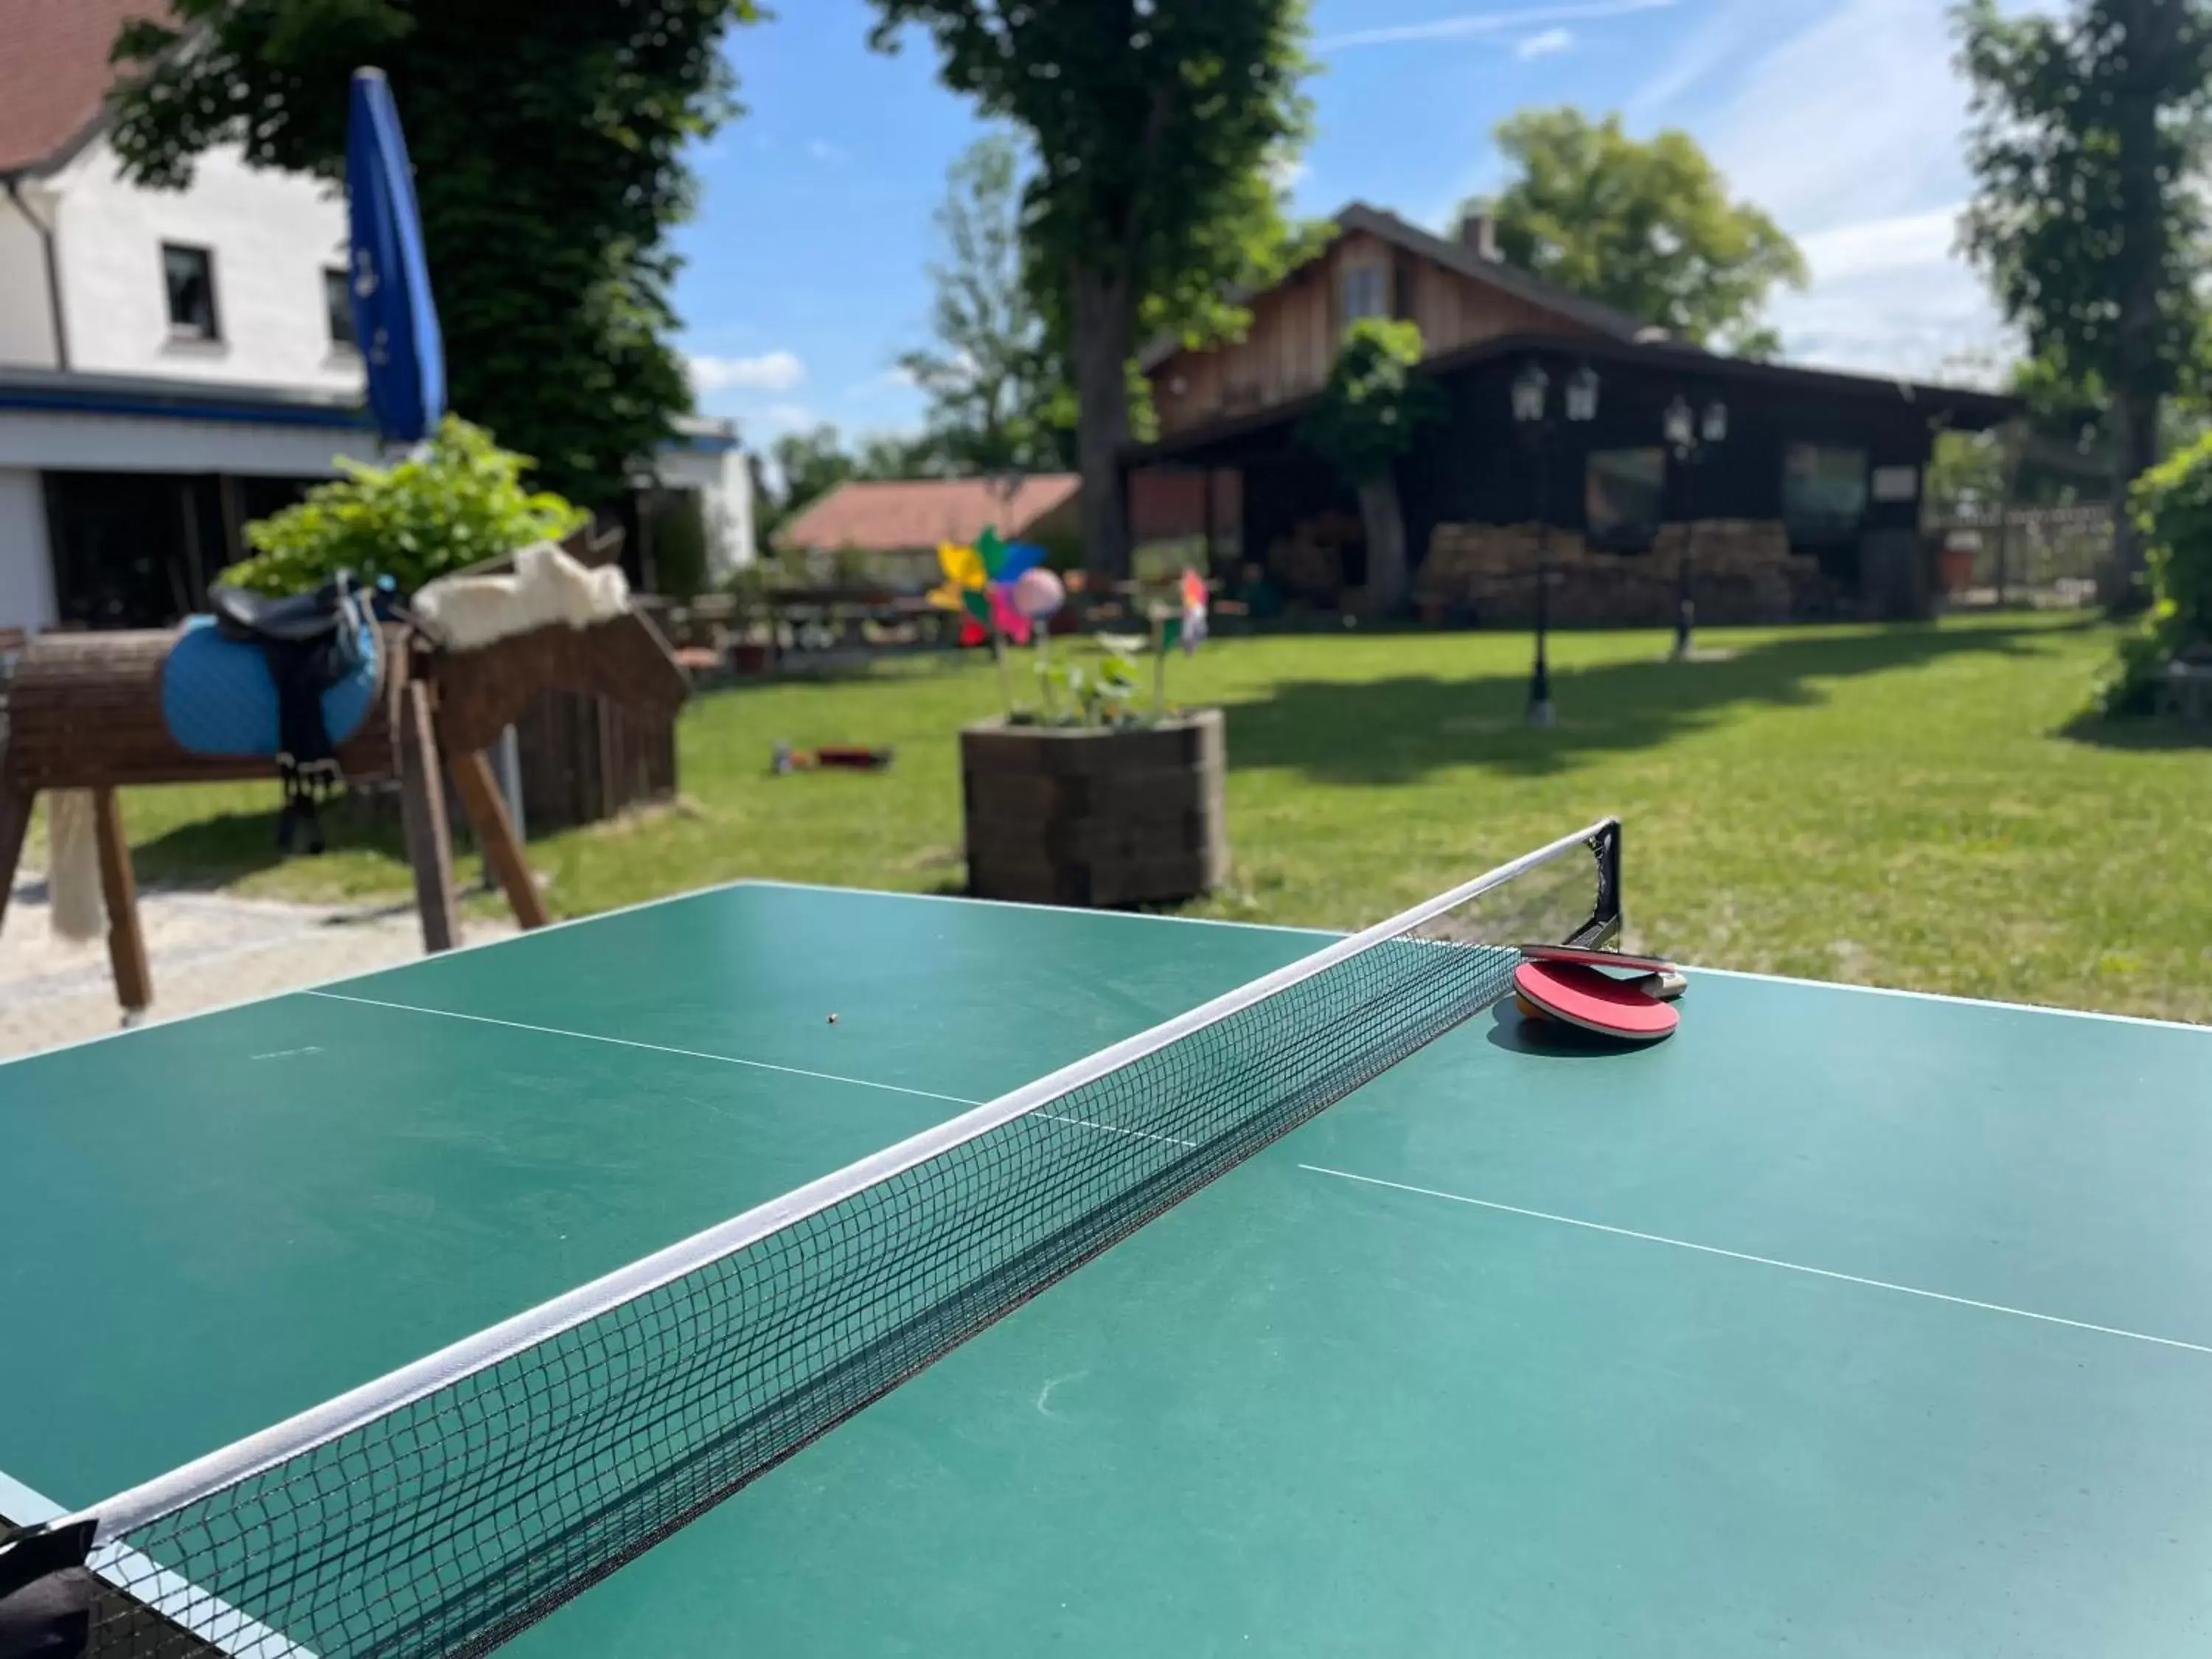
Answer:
(631, 1043)
(1762, 1261)
(1116, 1129)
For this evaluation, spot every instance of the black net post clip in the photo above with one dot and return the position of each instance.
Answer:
(45, 1592)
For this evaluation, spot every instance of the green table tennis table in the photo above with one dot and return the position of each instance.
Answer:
(1844, 1321)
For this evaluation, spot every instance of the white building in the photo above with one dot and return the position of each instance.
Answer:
(176, 363)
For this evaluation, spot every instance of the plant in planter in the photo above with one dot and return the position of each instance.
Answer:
(1089, 799)
(458, 501)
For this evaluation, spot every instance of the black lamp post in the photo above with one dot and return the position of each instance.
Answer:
(1688, 435)
(1532, 414)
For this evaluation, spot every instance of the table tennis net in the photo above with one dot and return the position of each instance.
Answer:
(475, 1503)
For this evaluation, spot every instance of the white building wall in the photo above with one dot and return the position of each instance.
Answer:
(26, 585)
(273, 234)
(724, 485)
(26, 330)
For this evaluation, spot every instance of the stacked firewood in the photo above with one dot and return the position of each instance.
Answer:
(1742, 571)
(1309, 563)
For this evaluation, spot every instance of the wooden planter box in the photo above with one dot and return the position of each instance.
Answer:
(1098, 817)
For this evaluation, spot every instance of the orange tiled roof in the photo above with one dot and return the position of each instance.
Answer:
(893, 516)
(54, 70)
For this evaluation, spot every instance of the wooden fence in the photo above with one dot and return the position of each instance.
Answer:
(585, 758)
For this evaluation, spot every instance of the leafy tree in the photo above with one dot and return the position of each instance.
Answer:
(990, 378)
(1967, 474)
(1154, 124)
(546, 143)
(906, 455)
(2089, 141)
(1366, 419)
(1646, 228)
(809, 465)
(457, 502)
(2172, 507)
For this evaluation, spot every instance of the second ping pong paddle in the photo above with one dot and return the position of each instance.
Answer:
(1577, 994)
(1592, 957)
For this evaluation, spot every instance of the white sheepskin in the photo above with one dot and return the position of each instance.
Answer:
(547, 586)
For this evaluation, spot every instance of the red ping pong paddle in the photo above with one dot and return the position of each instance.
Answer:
(1582, 996)
(1594, 958)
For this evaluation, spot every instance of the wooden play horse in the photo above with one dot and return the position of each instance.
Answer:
(85, 712)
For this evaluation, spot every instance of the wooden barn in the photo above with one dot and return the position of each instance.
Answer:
(1803, 485)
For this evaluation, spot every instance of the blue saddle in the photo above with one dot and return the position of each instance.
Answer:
(290, 678)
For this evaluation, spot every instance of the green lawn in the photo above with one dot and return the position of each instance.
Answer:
(1911, 806)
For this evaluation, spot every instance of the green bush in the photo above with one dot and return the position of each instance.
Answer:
(1371, 405)
(460, 502)
(2171, 505)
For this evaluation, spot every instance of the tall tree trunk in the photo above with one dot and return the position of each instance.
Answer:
(1101, 324)
(1385, 524)
(2139, 373)
(2135, 452)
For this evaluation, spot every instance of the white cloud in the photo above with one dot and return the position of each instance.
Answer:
(1849, 129)
(1545, 44)
(893, 379)
(1889, 296)
(1858, 116)
(774, 371)
(1718, 40)
(1472, 24)
(786, 417)
(1879, 245)
(823, 150)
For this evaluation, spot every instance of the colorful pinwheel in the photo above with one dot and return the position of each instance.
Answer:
(979, 583)
(966, 589)
(1185, 625)
(1194, 611)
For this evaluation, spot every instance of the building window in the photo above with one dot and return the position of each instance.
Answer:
(1623, 492)
(189, 275)
(338, 302)
(1366, 292)
(1824, 491)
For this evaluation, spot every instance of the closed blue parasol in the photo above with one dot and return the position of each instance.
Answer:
(393, 316)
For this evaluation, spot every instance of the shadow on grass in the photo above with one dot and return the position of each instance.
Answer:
(889, 668)
(216, 851)
(1397, 730)
(2143, 733)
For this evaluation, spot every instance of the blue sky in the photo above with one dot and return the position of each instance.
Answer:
(805, 274)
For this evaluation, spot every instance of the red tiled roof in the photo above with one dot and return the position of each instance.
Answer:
(891, 517)
(54, 70)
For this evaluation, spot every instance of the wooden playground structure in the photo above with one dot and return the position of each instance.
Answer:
(84, 712)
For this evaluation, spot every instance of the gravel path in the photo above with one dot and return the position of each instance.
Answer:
(206, 951)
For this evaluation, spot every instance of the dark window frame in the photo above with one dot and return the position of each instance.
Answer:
(1813, 530)
(338, 302)
(1638, 537)
(1370, 269)
(184, 330)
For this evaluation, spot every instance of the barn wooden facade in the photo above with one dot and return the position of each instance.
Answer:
(1818, 472)
(1459, 292)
